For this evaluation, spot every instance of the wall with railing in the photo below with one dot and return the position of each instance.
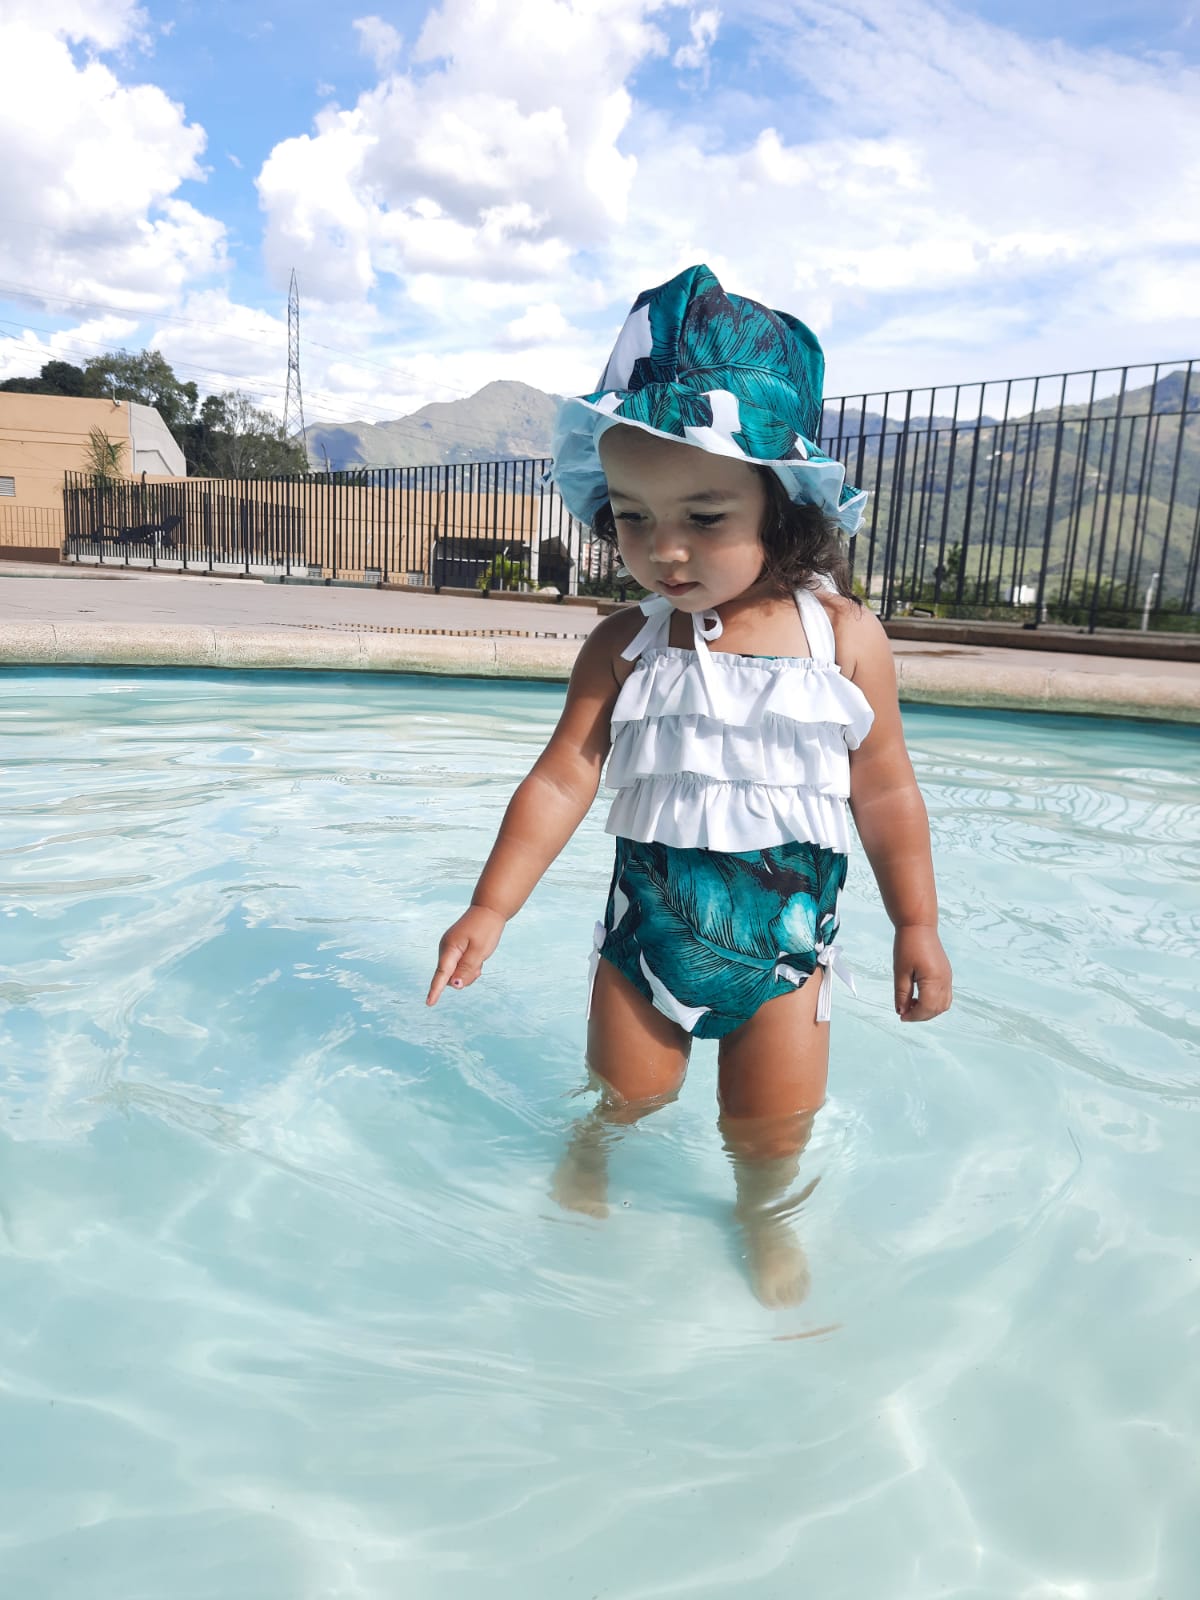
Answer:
(1073, 498)
(30, 527)
(439, 526)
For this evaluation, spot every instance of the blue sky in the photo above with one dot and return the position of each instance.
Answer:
(478, 189)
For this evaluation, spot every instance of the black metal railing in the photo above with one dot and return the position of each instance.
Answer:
(472, 525)
(1070, 499)
(1073, 498)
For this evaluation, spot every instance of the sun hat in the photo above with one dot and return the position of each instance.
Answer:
(713, 370)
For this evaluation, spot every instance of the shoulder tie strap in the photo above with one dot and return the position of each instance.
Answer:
(707, 625)
(817, 627)
(656, 609)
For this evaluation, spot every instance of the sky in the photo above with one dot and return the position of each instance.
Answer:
(478, 189)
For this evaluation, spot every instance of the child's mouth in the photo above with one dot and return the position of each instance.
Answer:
(677, 588)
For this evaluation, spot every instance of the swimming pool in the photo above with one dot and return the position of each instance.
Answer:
(287, 1313)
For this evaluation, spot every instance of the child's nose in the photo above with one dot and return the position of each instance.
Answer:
(668, 545)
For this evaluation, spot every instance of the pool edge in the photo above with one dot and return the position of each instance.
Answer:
(1014, 686)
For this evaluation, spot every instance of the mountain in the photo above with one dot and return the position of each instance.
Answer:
(504, 419)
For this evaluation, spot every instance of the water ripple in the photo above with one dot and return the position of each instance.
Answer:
(278, 1242)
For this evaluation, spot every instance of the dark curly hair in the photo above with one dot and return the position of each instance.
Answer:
(800, 543)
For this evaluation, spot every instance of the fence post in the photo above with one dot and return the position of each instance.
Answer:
(1051, 495)
(1183, 418)
(892, 536)
(1108, 494)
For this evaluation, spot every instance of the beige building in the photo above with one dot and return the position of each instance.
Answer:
(44, 435)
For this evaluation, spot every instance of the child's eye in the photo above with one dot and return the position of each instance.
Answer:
(707, 520)
(626, 516)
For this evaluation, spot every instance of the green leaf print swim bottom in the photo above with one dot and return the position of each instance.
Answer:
(709, 937)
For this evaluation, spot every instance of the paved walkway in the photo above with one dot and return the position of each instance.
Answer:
(59, 616)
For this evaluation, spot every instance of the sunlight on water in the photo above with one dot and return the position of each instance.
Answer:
(289, 1315)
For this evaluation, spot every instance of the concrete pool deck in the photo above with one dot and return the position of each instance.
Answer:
(71, 616)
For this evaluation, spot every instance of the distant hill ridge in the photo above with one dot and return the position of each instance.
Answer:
(507, 420)
(504, 419)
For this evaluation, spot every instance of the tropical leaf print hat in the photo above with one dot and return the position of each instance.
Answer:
(716, 371)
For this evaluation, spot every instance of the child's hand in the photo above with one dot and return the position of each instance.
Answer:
(923, 983)
(464, 949)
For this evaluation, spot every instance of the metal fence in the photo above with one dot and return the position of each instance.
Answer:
(1073, 498)
(470, 525)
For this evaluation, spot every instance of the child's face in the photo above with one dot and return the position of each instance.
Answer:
(689, 524)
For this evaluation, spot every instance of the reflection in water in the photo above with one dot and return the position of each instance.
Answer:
(765, 1152)
(277, 1240)
(765, 1156)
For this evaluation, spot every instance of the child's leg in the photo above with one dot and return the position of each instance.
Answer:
(637, 1058)
(773, 1071)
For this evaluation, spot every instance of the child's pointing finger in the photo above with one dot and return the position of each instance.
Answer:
(463, 950)
(448, 971)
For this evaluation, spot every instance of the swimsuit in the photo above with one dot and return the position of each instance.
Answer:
(732, 777)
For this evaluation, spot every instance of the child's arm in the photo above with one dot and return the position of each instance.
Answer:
(892, 822)
(545, 810)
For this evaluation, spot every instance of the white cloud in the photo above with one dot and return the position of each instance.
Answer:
(24, 354)
(223, 345)
(319, 216)
(496, 157)
(702, 26)
(542, 323)
(938, 197)
(103, 24)
(90, 166)
(957, 168)
(378, 40)
(959, 172)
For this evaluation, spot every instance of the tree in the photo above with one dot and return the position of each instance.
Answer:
(504, 572)
(102, 458)
(60, 377)
(145, 378)
(234, 438)
(56, 377)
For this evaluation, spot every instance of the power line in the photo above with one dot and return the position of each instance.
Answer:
(74, 342)
(42, 297)
(330, 408)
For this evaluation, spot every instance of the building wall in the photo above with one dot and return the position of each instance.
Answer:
(153, 444)
(44, 435)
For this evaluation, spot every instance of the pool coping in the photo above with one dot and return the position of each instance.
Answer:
(960, 679)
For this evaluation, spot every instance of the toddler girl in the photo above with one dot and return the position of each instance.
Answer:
(742, 709)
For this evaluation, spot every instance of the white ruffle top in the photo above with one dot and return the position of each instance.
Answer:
(729, 752)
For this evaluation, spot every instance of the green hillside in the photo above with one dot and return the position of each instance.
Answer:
(1113, 481)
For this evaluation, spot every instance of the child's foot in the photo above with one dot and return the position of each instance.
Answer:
(775, 1261)
(580, 1181)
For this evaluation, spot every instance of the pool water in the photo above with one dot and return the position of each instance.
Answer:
(286, 1312)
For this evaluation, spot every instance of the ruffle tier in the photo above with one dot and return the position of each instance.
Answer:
(775, 752)
(743, 692)
(691, 811)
